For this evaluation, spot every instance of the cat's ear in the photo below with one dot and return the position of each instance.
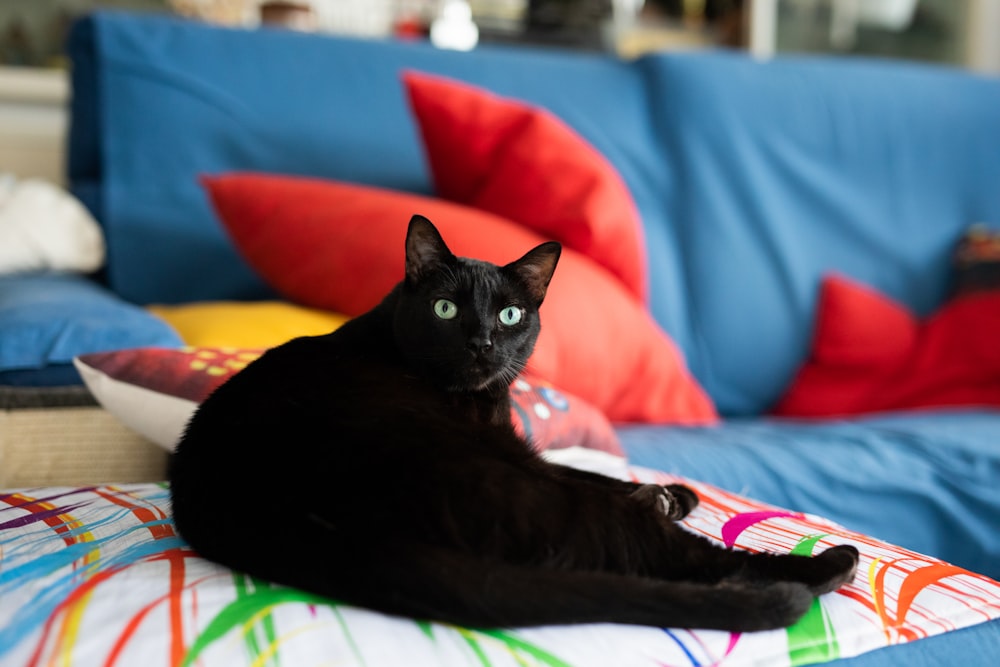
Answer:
(425, 249)
(535, 269)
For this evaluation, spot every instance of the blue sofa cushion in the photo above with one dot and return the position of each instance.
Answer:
(772, 174)
(46, 319)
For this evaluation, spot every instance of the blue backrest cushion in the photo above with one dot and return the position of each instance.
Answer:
(751, 179)
(774, 173)
(175, 99)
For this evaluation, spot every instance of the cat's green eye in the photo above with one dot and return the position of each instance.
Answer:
(444, 309)
(511, 315)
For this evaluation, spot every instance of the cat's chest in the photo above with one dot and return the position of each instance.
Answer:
(398, 387)
(480, 408)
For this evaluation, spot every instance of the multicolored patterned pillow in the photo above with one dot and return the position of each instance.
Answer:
(99, 576)
(154, 391)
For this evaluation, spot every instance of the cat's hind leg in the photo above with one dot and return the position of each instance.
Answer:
(426, 582)
(409, 578)
(823, 573)
(700, 559)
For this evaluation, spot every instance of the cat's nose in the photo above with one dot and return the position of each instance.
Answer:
(480, 344)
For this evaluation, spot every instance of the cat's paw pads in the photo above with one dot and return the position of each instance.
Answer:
(685, 499)
(661, 500)
(666, 506)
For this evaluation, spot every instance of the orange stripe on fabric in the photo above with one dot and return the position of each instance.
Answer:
(143, 514)
(133, 624)
(177, 647)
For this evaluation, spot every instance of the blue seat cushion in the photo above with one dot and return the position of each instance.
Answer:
(923, 480)
(46, 319)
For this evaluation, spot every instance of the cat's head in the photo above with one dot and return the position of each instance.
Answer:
(464, 324)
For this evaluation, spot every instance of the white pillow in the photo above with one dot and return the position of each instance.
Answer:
(44, 228)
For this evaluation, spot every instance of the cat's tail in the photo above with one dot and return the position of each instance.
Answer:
(431, 583)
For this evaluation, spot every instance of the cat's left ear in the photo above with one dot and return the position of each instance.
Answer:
(425, 249)
(535, 269)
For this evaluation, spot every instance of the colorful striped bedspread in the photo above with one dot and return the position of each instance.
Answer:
(98, 576)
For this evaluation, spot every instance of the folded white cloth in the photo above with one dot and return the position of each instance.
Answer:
(42, 227)
(592, 460)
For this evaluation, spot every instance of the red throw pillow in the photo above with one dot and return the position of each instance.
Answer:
(525, 164)
(341, 247)
(859, 327)
(870, 354)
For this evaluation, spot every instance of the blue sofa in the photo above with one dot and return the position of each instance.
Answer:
(753, 180)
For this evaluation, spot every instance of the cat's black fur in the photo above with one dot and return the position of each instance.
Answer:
(378, 465)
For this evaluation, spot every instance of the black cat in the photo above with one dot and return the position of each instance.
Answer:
(378, 465)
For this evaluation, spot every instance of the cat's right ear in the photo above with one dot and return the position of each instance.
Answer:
(536, 268)
(425, 249)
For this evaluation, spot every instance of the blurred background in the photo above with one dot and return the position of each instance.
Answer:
(34, 87)
(959, 32)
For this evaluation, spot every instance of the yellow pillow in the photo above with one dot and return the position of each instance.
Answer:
(248, 324)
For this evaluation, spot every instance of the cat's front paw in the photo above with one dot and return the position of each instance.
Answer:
(663, 500)
(685, 499)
